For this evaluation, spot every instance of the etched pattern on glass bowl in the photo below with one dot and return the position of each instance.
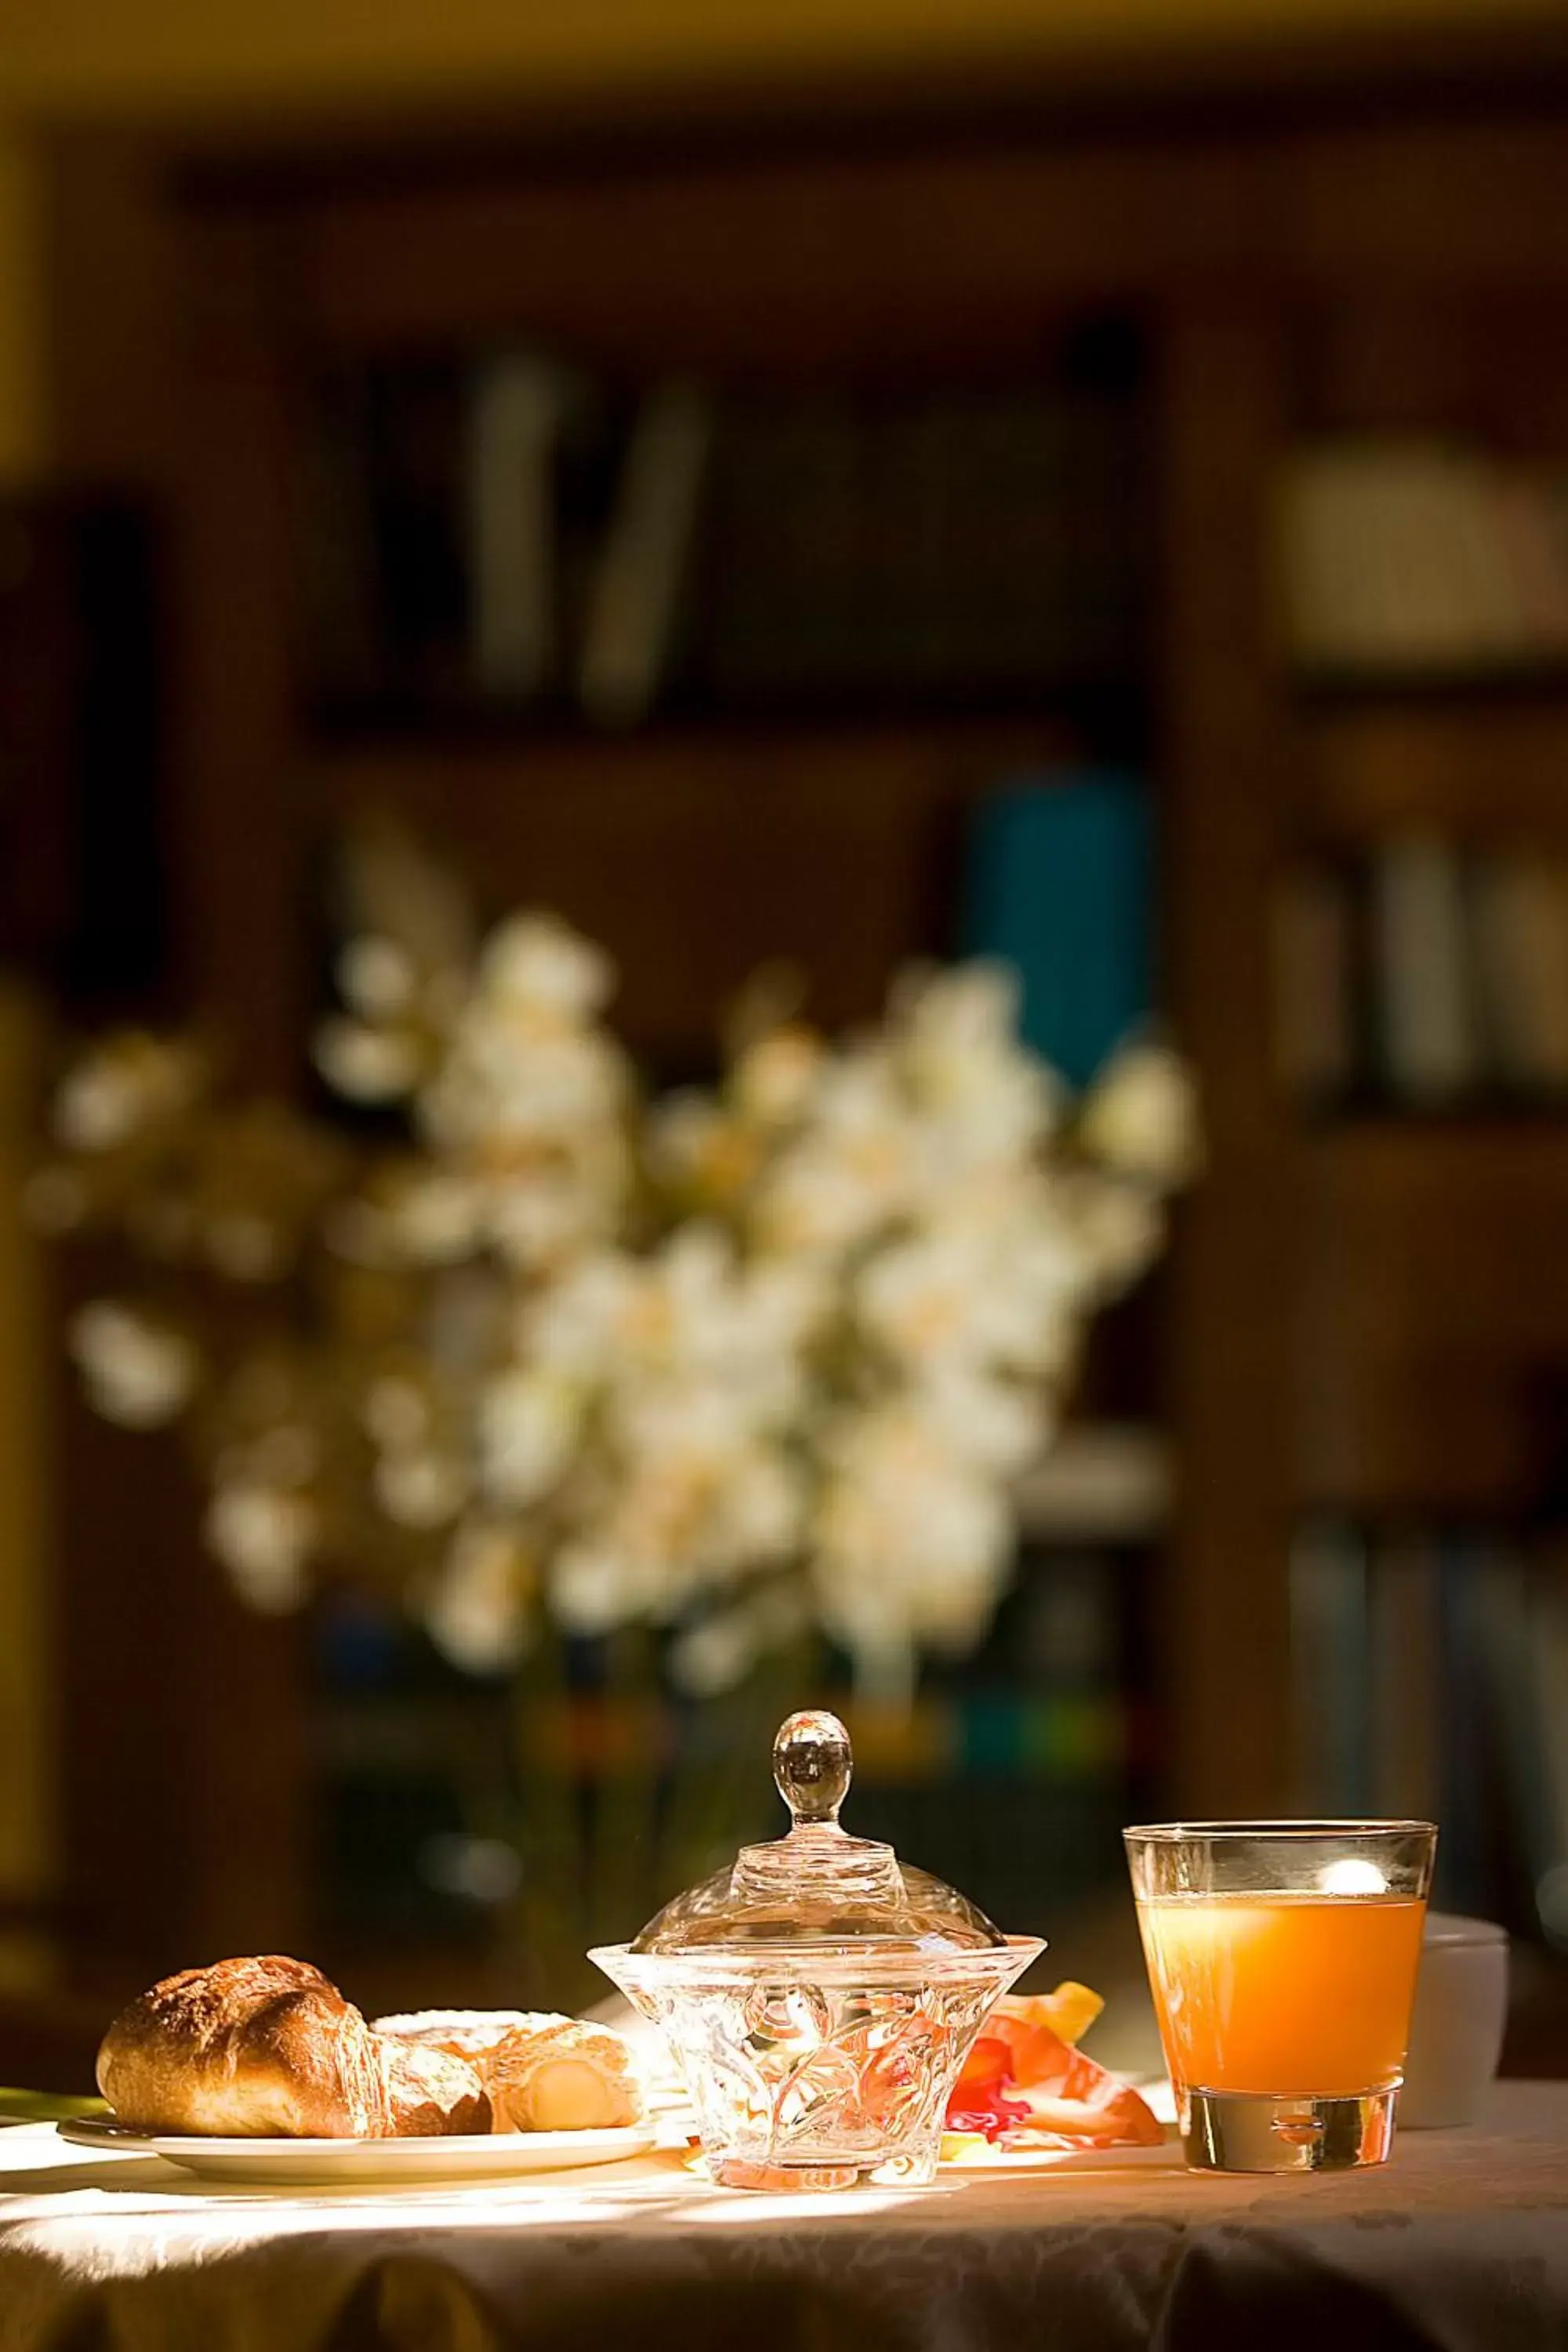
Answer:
(821, 2082)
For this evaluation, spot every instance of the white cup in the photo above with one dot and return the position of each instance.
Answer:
(1455, 2030)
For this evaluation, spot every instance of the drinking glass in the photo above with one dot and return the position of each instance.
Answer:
(1282, 1957)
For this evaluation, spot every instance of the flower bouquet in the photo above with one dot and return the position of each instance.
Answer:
(710, 1374)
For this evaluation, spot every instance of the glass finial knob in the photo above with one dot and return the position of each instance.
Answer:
(812, 1765)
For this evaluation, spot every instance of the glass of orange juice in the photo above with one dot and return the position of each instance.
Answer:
(1282, 1956)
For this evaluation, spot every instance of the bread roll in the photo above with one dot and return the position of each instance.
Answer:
(542, 2072)
(562, 2077)
(261, 2048)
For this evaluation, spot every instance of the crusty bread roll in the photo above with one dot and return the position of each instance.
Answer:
(542, 2072)
(261, 2048)
(562, 2077)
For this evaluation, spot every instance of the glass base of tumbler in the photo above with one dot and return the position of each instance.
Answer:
(1236, 2131)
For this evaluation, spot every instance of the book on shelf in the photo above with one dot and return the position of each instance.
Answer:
(1060, 886)
(1316, 1041)
(517, 407)
(1425, 972)
(1427, 998)
(1519, 908)
(1330, 1666)
(644, 566)
(1406, 1741)
(1431, 1682)
(1419, 556)
(518, 528)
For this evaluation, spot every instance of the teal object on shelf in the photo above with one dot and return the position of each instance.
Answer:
(1059, 885)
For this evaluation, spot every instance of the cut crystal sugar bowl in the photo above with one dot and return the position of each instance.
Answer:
(820, 1999)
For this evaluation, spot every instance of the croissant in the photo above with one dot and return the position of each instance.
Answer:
(262, 2048)
(541, 2072)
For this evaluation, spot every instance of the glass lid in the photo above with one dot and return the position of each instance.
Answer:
(819, 1886)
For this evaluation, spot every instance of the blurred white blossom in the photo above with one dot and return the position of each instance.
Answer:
(418, 1489)
(477, 1614)
(365, 1064)
(137, 1372)
(749, 1358)
(262, 1536)
(122, 1087)
(528, 1427)
(1140, 1119)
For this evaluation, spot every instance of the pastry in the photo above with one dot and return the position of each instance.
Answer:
(541, 2072)
(470, 2033)
(268, 2047)
(561, 2077)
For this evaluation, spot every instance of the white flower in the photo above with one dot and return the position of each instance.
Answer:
(419, 1490)
(366, 1064)
(528, 1430)
(433, 1218)
(760, 1511)
(1117, 1228)
(996, 1426)
(545, 1215)
(262, 1535)
(124, 1085)
(378, 977)
(1140, 1116)
(774, 1079)
(542, 963)
(505, 1083)
(922, 1298)
(989, 1097)
(136, 1372)
(1001, 1282)
(693, 1143)
(854, 1167)
(575, 1326)
(912, 1546)
(595, 1588)
(476, 1615)
(98, 1106)
(714, 1656)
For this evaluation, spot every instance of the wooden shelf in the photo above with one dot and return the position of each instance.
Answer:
(1109, 713)
(1483, 689)
(1490, 1122)
(1472, 766)
(1432, 1323)
(1467, 1142)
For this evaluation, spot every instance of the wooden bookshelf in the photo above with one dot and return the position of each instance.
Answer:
(1356, 1312)
(1493, 763)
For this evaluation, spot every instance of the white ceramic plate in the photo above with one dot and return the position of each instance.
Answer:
(324, 2163)
(1062, 2159)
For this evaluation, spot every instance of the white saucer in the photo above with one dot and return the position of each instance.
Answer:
(321, 2163)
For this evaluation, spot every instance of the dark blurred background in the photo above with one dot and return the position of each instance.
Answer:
(833, 485)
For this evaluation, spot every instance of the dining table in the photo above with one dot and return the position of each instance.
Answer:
(1459, 2242)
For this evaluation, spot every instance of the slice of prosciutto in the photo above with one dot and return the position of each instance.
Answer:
(1024, 2086)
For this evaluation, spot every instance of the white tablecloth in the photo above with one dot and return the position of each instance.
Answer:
(1461, 2241)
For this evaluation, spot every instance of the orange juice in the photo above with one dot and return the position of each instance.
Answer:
(1298, 1994)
